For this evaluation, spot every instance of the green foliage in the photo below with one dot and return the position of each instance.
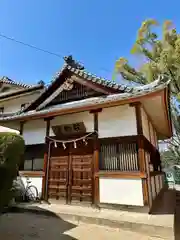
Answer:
(161, 56)
(172, 155)
(11, 152)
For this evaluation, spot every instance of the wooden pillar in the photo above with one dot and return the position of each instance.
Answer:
(21, 128)
(96, 158)
(141, 150)
(44, 194)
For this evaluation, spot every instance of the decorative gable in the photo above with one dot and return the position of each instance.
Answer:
(75, 92)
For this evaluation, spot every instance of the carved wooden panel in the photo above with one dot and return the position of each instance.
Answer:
(76, 93)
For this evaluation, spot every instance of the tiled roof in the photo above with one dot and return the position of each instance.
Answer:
(5, 95)
(12, 82)
(77, 69)
(102, 81)
(135, 92)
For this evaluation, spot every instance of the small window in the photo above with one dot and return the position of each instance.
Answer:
(34, 158)
(1, 109)
(34, 164)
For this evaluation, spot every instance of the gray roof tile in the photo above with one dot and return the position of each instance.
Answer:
(135, 92)
(12, 82)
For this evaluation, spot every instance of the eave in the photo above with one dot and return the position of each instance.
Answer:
(9, 81)
(83, 77)
(7, 96)
(99, 102)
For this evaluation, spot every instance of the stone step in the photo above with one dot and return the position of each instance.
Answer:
(156, 227)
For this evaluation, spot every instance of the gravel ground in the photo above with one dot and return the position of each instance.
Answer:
(28, 226)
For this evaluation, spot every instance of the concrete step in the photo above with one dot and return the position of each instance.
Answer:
(140, 223)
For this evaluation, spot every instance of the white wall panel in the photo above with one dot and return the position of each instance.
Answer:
(121, 191)
(145, 124)
(85, 117)
(14, 105)
(34, 132)
(36, 181)
(117, 121)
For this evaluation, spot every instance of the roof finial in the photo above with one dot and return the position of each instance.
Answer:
(71, 62)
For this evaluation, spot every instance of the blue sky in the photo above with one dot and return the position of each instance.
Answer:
(95, 32)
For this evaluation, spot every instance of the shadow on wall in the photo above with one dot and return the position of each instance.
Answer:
(177, 216)
(35, 224)
(165, 203)
(169, 203)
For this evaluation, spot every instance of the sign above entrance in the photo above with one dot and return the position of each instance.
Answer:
(69, 129)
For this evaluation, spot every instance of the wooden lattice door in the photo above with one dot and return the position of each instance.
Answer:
(71, 173)
(58, 174)
(81, 173)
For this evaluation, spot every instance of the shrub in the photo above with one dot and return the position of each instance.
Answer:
(11, 152)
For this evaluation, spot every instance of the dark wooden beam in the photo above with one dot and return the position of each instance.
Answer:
(48, 124)
(31, 173)
(21, 128)
(45, 172)
(96, 110)
(48, 121)
(96, 162)
(141, 149)
(120, 174)
(138, 118)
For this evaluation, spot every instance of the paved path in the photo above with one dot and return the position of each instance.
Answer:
(28, 226)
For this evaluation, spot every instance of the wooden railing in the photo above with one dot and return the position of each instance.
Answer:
(153, 156)
(122, 154)
(119, 154)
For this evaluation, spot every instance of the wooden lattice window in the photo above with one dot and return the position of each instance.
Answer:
(119, 157)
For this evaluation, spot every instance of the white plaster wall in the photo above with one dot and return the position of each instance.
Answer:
(149, 191)
(117, 121)
(36, 181)
(121, 191)
(114, 121)
(145, 124)
(157, 181)
(85, 117)
(153, 188)
(12, 125)
(148, 130)
(14, 105)
(5, 129)
(34, 132)
(162, 181)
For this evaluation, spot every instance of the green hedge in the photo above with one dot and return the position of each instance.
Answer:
(11, 152)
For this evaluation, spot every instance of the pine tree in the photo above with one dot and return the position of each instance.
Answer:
(161, 56)
(172, 155)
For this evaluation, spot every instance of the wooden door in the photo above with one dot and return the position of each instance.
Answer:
(71, 173)
(82, 173)
(58, 174)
